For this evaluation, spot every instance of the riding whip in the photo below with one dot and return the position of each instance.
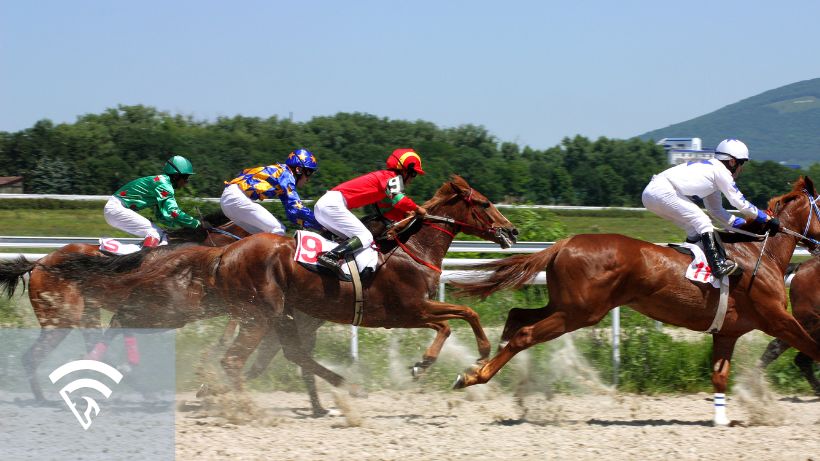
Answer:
(759, 257)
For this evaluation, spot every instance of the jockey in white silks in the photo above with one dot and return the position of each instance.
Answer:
(672, 195)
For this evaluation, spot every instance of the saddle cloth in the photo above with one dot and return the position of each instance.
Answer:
(699, 270)
(310, 244)
(117, 247)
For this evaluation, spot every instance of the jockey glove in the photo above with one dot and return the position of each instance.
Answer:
(773, 226)
(738, 222)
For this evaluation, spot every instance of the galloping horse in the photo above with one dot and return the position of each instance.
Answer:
(60, 303)
(805, 300)
(259, 281)
(588, 275)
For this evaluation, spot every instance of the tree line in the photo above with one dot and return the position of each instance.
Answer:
(100, 152)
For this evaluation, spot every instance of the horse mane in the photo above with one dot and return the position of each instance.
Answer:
(447, 191)
(79, 266)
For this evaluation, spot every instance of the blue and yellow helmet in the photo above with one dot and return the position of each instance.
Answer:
(302, 158)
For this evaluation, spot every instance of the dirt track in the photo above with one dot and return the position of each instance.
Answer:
(480, 424)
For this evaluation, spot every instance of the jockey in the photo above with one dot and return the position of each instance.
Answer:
(157, 191)
(384, 187)
(271, 181)
(671, 195)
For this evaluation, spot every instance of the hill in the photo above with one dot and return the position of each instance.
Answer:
(782, 124)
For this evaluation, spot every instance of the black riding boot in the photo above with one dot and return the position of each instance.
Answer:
(330, 259)
(717, 257)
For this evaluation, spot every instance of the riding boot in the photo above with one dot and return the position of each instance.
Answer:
(717, 257)
(330, 259)
(150, 242)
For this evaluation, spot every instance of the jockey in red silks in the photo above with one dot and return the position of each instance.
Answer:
(672, 195)
(383, 187)
(277, 180)
(154, 191)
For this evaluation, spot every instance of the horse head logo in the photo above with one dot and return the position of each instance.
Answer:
(91, 404)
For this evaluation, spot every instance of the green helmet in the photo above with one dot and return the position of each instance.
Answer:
(178, 165)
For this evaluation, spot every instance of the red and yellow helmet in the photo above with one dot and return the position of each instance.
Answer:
(403, 159)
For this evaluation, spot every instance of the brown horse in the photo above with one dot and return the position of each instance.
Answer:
(60, 304)
(588, 275)
(805, 300)
(259, 281)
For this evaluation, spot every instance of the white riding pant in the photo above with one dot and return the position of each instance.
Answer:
(332, 213)
(661, 198)
(248, 214)
(128, 220)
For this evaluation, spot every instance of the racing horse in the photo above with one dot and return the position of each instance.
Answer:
(60, 303)
(588, 275)
(805, 301)
(257, 282)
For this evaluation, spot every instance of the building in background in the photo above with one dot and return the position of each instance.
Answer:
(682, 150)
(11, 184)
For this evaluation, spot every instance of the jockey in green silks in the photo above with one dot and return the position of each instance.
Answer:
(152, 191)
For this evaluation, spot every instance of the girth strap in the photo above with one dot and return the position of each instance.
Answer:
(723, 306)
(358, 305)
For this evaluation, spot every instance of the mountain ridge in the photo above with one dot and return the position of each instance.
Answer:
(782, 124)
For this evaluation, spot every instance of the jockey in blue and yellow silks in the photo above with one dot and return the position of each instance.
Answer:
(266, 182)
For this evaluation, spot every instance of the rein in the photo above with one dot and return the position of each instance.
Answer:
(814, 210)
(224, 232)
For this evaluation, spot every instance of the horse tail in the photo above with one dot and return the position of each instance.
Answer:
(509, 273)
(12, 272)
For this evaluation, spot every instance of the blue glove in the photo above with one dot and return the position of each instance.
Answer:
(738, 222)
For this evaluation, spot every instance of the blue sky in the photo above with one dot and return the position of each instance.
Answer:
(531, 72)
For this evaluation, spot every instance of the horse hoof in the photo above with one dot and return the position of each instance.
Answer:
(461, 382)
(319, 412)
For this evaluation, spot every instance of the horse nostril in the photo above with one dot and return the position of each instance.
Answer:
(514, 231)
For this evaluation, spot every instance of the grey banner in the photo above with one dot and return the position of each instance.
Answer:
(116, 405)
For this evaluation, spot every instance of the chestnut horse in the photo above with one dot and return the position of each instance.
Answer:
(588, 275)
(805, 300)
(60, 303)
(259, 281)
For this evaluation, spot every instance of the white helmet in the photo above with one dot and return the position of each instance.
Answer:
(731, 148)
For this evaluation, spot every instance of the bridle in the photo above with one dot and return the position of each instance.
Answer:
(486, 226)
(814, 210)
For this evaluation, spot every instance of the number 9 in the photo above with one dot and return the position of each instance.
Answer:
(310, 249)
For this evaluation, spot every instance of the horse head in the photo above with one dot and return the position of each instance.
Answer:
(472, 212)
(799, 213)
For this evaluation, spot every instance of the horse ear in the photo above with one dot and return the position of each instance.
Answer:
(809, 184)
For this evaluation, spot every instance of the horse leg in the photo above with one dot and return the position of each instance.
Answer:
(806, 366)
(781, 324)
(110, 333)
(722, 349)
(775, 349)
(90, 325)
(555, 325)
(518, 318)
(248, 339)
(433, 350)
(48, 340)
(307, 327)
(439, 311)
(265, 353)
(294, 351)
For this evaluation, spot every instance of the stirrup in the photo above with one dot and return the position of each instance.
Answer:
(726, 267)
(328, 263)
